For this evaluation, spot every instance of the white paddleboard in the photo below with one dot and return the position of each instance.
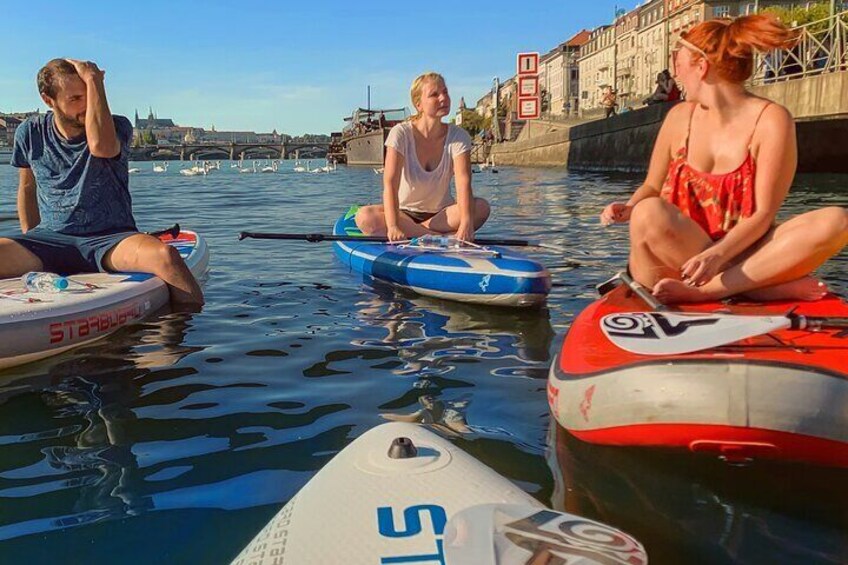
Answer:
(437, 505)
(36, 325)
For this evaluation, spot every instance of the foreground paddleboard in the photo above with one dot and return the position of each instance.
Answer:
(508, 278)
(436, 505)
(781, 395)
(36, 325)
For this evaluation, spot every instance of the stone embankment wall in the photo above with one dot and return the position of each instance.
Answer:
(624, 142)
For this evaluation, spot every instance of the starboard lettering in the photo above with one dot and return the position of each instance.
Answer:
(70, 330)
(411, 526)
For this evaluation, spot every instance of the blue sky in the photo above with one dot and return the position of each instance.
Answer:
(292, 66)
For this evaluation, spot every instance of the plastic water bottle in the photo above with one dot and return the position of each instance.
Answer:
(435, 240)
(44, 282)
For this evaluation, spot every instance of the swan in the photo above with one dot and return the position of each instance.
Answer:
(134, 170)
(163, 168)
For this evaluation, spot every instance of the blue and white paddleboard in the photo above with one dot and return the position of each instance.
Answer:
(401, 494)
(501, 277)
(36, 325)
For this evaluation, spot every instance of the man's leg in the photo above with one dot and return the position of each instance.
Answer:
(143, 253)
(15, 259)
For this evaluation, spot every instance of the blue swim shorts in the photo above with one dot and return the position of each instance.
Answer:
(71, 254)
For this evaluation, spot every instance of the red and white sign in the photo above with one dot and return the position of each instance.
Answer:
(528, 63)
(529, 108)
(528, 85)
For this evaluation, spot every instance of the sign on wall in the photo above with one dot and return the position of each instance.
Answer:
(529, 106)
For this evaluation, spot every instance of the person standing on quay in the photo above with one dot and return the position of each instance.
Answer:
(74, 203)
(608, 101)
(422, 155)
(702, 226)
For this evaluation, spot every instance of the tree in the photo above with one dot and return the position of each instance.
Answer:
(472, 122)
(800, 15)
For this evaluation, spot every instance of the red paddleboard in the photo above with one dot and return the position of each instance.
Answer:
(781, 395)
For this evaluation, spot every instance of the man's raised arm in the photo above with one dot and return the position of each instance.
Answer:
(99, 125)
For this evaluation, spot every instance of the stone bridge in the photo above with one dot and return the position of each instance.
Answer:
(233, 151)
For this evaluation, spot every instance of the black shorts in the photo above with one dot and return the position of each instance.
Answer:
(419, 217)
(69, 254)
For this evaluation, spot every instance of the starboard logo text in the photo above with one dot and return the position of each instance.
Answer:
(70, 330)
(410, 527)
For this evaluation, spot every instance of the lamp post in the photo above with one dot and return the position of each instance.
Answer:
(496, 126)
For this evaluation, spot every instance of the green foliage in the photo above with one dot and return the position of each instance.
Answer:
(800, 15)
(472, 122)
(148, 137)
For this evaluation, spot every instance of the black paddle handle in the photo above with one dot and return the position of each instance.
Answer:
(800, 322)
(173, 231)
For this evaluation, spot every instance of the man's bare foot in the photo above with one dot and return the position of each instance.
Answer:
(806, 288)
(673, 291)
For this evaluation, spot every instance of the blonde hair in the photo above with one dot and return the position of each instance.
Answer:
(417, 85)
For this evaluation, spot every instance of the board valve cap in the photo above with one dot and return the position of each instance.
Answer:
(402, 448)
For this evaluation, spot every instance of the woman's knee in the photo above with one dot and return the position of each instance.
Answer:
(370, 219)
(831, 225)
(482, 209)
(650, 218)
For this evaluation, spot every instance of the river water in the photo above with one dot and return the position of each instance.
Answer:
(175, 440)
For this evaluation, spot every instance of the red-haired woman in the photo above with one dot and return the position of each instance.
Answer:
(702, 226)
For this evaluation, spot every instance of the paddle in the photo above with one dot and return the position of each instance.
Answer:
(173, 231)
(317, 237)
(673, 333)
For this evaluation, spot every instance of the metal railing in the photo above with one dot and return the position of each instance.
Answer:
(822, 48)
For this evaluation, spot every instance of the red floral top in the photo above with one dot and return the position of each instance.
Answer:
(714, 202)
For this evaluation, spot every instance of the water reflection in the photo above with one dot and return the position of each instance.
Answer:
(679, 506)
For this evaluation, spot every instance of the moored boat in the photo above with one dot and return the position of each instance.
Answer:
(365, 134)
(774, 394)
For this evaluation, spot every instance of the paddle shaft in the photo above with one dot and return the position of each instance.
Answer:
(317, 237)
(642, 293)
(814, 323)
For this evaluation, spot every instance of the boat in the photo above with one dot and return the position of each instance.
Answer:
(36, 325)
(336, 150)
(401, 494)
(741, 381)
(365, 134)
(492, 275)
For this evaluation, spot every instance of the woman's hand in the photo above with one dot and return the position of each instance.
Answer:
(394, 233)
(700, 269)
(465, 232)
(616, 213)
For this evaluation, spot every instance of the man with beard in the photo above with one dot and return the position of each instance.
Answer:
(74, 203)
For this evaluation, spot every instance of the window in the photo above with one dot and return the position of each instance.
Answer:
(721, 11)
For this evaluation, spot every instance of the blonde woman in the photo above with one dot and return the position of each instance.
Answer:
(422, 155)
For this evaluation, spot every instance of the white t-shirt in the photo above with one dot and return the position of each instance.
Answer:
(420, 190)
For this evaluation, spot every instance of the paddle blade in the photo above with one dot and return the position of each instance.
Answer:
(655, 333)
(509, 534)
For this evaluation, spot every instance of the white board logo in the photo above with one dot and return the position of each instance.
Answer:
(484, 283)
(651, 325)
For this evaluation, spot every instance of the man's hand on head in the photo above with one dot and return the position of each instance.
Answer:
(87, 70)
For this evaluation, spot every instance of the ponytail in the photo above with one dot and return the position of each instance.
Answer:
(730, 44)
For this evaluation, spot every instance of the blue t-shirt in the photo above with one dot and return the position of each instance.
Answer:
(77, 194)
